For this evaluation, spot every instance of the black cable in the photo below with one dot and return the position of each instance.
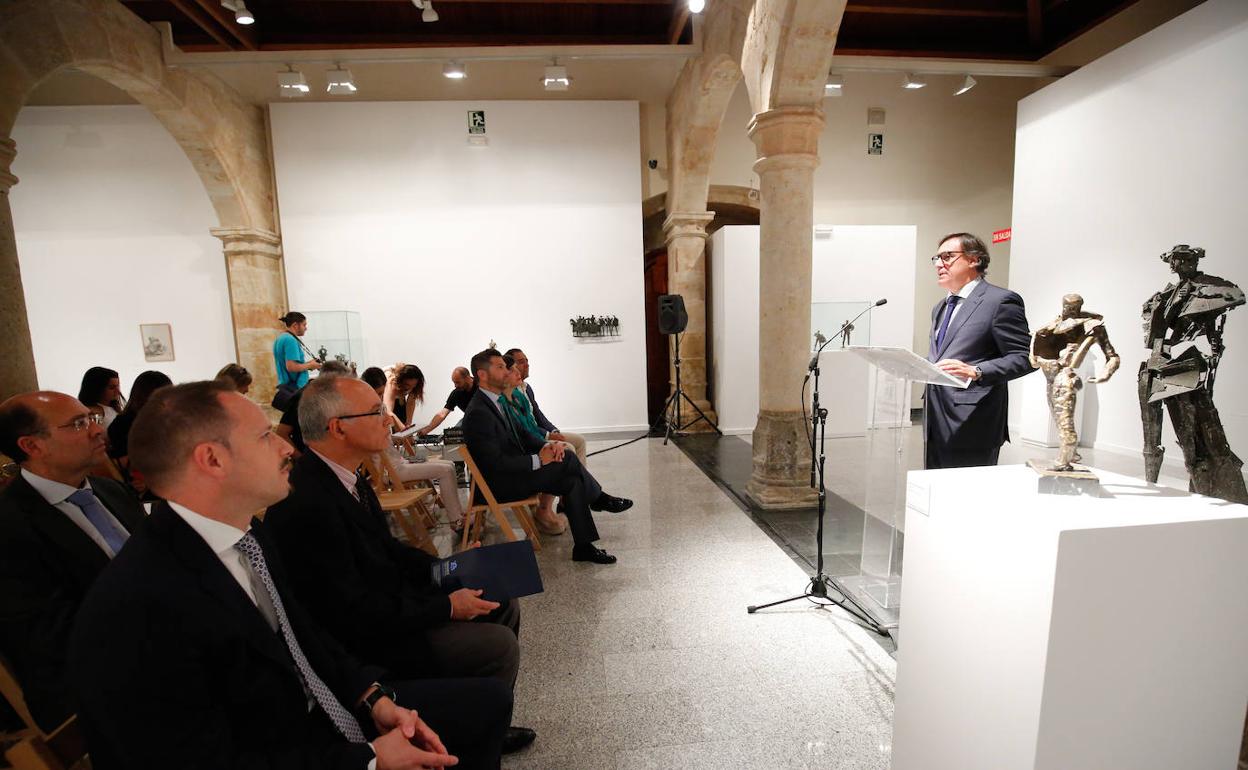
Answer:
(617, 446)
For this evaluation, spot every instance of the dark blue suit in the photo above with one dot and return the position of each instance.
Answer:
(967, 427)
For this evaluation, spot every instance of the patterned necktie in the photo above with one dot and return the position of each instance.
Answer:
(97, 514)
(337, 713)
(368, 498)
(950, 305)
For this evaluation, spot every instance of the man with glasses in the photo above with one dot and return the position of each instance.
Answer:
(58, 529)
(372, 592)
(978, 332)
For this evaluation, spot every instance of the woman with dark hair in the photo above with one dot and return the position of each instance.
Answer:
(144, 386)
(237, 376)
(405, 390)
(101, 393)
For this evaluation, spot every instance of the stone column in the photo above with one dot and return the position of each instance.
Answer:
(257, 281)
(685, 233)
(787, 140)
(17, 356)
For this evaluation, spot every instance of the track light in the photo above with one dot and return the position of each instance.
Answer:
(914, 82)
(696, 6)
(292, 83)
(239, 7)
(340, 82)
(968, 83)
(556, 77)
(454, 71)
(428, 15)
(833, 86)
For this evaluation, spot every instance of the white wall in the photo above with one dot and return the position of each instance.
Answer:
(734, 322)
(112, 231)
(442, 247)
(1139, 151)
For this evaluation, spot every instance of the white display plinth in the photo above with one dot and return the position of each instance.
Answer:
(1069, 632)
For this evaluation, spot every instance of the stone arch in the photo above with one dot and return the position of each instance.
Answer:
(787, 52)
(224, 138)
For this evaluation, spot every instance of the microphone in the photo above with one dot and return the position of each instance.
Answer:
(879, 302)
(823, 341)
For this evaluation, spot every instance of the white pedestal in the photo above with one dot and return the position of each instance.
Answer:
(1069, 632)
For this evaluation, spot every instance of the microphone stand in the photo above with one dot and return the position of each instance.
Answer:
(820, 583)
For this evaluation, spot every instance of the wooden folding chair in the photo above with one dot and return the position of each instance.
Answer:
(62, 749)
(11, 690)
(474, 515)
(402, 504)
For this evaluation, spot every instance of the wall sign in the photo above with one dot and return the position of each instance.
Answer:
(1001, 236)
(875, 144)
(476, 121)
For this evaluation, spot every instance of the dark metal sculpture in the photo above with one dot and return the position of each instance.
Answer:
(1180, 373)
(595, 326)
(1058, 349)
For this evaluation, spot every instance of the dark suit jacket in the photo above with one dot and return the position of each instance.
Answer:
(47, 564)
(989, 331)
(174, 667)
(538, 416)
(373, 593)
(499, 451)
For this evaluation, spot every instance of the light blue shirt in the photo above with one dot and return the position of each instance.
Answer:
(286, 348)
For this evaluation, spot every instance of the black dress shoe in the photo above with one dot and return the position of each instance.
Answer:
(589, 552)
(517, 738)
(611, 504)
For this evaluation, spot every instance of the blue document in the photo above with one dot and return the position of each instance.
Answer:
(502, 571)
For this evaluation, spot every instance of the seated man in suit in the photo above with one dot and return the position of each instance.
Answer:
(58, 529)
(191, 651)
(516, 464)
(355, 577)
(552, 433)
(979, 332)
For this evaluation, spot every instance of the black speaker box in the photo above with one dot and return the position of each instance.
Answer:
(672, 316)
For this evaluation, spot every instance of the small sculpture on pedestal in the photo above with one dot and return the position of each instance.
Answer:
(1058, 349)
(1180, 372)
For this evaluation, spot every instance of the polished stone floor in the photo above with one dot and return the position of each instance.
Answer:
(654, 662)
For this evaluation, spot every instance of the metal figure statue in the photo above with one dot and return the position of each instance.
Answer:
(1180, 372)
(1058, 349)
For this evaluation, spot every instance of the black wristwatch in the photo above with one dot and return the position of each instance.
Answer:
(379, 691)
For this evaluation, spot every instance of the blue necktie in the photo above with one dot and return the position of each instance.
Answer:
(98, 515)
(950, 304)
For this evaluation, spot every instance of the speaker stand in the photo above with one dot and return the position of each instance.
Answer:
(671, 410)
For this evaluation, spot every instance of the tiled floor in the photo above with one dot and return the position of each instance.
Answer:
(654, 662)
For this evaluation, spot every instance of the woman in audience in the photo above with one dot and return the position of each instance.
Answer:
(521, 412)
(405, 390)
(144, 386)
(426, 469)
(237, 376)
(101, 393)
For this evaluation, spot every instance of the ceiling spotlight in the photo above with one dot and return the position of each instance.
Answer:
(556, 78)
(914, 82)
(968, 83)
(429, 15)
(454, 71)
(833, 86)
(239, 7)
(696, 6)
(340, 82)
(292, 83)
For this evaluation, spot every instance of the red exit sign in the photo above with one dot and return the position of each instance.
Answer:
(1001, 236)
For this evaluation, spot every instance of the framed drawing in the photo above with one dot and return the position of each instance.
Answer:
(157, 341)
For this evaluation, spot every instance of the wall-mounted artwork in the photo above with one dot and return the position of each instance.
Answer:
(157, 341)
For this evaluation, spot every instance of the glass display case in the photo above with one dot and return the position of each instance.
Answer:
(335, 335)
(828, 317)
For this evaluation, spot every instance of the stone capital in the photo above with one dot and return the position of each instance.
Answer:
(8, 151)
(686, 224)
(249, 240)
(788, 132)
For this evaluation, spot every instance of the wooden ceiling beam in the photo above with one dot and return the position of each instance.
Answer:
(191, 10)
(679, 19)
(1035, 24)
(245, 36)
(513, 2)
(952, 13)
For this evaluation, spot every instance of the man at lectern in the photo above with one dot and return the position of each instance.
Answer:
(978, 332)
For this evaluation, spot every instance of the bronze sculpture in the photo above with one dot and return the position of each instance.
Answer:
(1181, 374)
(1058, 349)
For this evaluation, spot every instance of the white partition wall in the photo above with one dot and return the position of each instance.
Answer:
(734, 324)
(443, 247)
(1140, 150)
(112, 231)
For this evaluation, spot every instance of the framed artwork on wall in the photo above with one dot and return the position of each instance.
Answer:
(157, 341)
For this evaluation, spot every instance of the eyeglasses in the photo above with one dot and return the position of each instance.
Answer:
(947, 257)
(380, 411)
(83, 422)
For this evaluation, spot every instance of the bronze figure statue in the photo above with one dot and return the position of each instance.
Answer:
(1058, 349)
(1180, 373)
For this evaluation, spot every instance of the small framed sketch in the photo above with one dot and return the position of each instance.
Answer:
(157, 341)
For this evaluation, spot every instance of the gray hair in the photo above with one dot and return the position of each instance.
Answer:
(319, 402)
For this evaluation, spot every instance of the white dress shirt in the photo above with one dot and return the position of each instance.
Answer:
(221, 538)
(57, 495)
(347, 477)
(964, 292)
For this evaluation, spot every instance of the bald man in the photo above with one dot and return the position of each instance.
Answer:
(459, 399)
(58, 530)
